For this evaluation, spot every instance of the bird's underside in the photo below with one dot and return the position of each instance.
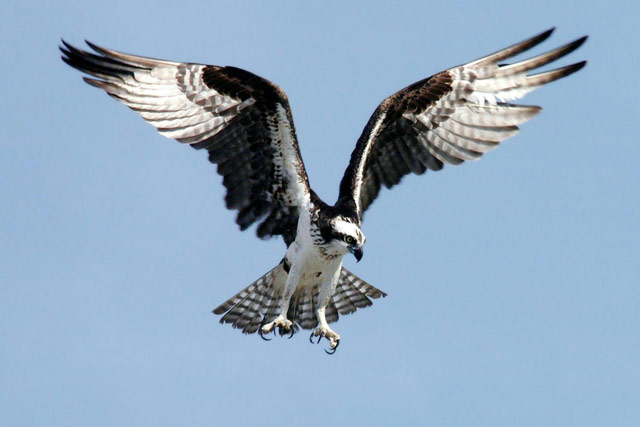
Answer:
(245, 124)
(260, 303)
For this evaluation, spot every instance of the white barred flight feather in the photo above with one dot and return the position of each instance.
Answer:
(451, 117)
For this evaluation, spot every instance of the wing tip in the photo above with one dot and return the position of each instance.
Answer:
(64, 42)
(567, 70)
(515, 49)
(94, 82)
(96, 48)
(578, 66)
(536, 40)
(67, 49)
(545, 34)
(570, 47)
(581, 40)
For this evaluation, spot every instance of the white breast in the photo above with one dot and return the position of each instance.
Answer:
(304, 252)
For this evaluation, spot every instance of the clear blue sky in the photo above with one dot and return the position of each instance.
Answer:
(513, 282)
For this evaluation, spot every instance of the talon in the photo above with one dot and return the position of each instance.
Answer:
(283, 331)
(333, 349)
(320, 335)
(262, 335)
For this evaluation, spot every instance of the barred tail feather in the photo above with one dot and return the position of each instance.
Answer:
(255, 305)
(351, 294)
(259, 303)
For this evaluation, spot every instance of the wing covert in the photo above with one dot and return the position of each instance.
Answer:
(241, 119)
(451, 117)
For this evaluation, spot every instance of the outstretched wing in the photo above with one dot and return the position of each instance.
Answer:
(243, 120)
(453, 116)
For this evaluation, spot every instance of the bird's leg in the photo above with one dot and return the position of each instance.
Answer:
(324, 296)
(281, 320)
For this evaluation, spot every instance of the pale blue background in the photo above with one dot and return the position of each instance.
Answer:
(514, 286)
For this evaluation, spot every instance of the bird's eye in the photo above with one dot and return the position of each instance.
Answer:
(349, 239)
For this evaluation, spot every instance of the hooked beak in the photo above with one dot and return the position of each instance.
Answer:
(357, 252)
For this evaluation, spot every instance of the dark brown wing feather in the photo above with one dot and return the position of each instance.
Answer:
(453, 116)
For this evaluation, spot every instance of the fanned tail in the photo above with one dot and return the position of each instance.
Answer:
(351, 294)
(255, 305)
(259, 303)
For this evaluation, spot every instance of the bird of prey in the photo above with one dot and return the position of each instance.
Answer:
(245, 124)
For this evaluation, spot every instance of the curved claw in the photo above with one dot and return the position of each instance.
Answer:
(320, 335)
(333, 349)
(283, 332)
(262, 335)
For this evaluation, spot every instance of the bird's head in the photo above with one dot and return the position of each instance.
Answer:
(347, 236)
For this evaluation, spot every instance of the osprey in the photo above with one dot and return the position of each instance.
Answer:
(245, 123)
